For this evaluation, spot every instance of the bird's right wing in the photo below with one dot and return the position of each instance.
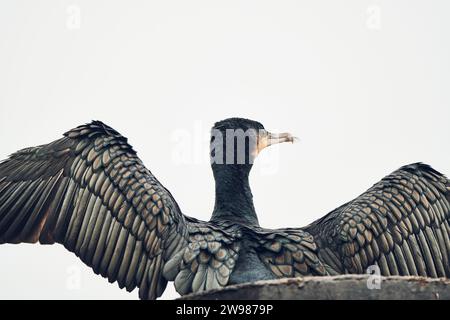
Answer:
(288, 252)
(90, 192)
(401, 225)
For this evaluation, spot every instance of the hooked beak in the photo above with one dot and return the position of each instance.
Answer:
(268, 139)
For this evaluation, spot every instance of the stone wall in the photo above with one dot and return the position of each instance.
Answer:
(352, 287)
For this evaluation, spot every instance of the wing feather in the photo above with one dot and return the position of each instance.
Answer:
(290, 252)
(400, 224)
(90, 192)
(207, 261)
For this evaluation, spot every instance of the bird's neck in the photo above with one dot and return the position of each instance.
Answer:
(234, 199)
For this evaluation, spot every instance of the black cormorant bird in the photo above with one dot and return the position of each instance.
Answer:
(90, 192)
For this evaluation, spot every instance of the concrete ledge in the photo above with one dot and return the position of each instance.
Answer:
(346, 287)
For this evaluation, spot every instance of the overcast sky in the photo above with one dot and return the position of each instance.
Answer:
(364, 84)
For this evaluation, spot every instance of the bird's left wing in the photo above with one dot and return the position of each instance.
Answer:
(208, 259)
(90, 192)
(401, 225)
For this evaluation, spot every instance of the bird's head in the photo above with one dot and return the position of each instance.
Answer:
(238, 141)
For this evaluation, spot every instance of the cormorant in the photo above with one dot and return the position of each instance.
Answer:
(90, 192)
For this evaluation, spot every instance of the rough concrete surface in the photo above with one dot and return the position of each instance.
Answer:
(352, 287)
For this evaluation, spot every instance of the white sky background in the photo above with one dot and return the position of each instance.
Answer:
(364, 84)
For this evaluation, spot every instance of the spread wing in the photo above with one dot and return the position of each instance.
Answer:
(90, 192)
(400, 224)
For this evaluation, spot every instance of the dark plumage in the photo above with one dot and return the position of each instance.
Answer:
(90, 192)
